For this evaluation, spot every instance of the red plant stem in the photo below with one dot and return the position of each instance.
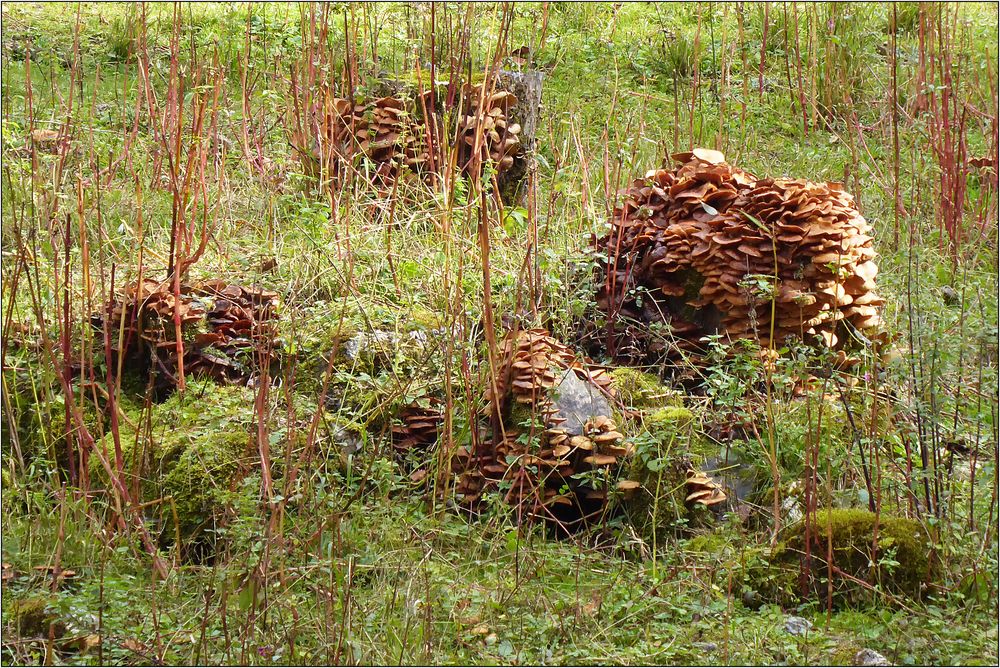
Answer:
(120, 493)
(763, 51)
(788, 66)
(798, 71)
(260, 410)
(110, 381)
(67, 362)
(894, 100)
(695, 82)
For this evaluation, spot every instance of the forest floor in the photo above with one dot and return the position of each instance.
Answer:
(290, 530)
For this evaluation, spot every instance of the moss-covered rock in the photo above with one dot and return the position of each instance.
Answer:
(365, 335)
(669, 420)
(30, 617)
(711, 543)
(901, 567)
(320, 330)
(38, 412)
(668, 442)
(375, 346)
(38, 409)
(209, 464)
(196, 448)
(843, 654)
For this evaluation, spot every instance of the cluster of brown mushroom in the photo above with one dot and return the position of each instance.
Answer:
(538, 469)
(706, 248)
(417, 429)
(226, 330)
(498, 141)
(392, 133)
(382, 130)
(702, 488)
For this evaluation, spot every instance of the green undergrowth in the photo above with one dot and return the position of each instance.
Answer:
(355, 562)
(440, 588)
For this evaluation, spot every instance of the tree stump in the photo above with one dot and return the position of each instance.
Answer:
(527, 87)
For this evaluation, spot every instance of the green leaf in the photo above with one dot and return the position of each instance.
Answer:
(515, 220)
(247, 596)
(512, 541)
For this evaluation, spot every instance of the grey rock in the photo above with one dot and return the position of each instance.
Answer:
(951, 295)
(798, 626)
(369, 345)
(418, 337)
(737, 475)
(348, 439)
(792, 509)
(869, 657)
(751, 599)
(576, 401)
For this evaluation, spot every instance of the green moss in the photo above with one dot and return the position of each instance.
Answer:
(667, 441)
(678, 424)
(710, 542)
(521, 416)
(192, 453)
(33, 419)
(673, 419)
(31, 616)
(374, 345)
(639, 389)
(420, 318)
(38, 409)
(901, 566)
(348, 438)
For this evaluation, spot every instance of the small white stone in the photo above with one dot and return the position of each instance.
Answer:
(798, 626)
(869, 657)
